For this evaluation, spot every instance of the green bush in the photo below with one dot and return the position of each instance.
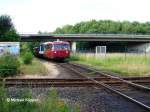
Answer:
(27, 58)
(9, 65)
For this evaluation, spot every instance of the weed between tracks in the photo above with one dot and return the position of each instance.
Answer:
(131, 65)
(50, 103)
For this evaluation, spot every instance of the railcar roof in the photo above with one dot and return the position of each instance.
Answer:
(60, 42)
(56, 42)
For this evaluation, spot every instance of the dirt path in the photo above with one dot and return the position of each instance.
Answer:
(54, 71)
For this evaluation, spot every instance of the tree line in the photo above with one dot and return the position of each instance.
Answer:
(9, 33)
(105, 27)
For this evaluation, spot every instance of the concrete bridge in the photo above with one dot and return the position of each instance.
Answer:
(86, 37)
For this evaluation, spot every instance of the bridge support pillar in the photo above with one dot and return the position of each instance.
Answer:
(73, 47)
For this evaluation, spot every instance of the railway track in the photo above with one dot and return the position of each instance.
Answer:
(131, 88)
(133, 92)
(45, 82)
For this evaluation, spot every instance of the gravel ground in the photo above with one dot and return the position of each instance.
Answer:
(90, 99)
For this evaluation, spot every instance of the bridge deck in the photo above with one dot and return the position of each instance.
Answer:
(85, 37)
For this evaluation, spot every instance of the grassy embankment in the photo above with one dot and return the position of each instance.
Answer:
(129, 65)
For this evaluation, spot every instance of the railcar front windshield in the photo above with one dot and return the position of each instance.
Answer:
(61, 47)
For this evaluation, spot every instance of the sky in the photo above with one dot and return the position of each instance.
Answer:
(30, 16)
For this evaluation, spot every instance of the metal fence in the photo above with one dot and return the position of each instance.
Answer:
(122, 51)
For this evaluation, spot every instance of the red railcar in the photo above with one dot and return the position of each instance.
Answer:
(54, 50)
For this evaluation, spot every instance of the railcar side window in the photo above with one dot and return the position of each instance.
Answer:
(65, 46)
(61, 46)
(49, 46)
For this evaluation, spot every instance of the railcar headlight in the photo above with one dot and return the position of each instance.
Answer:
(55, 52)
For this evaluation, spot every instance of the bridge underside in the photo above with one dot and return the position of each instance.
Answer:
(87, 37)
(112, 41)
(132, 47)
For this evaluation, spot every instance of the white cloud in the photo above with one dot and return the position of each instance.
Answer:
(31, 16)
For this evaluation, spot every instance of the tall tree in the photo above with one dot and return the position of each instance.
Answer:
(7, 30)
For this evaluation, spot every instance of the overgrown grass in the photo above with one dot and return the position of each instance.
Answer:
(126, 65)
(9, 65)
(50, 103)
(34, 68)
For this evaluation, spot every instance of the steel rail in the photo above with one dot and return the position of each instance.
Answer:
(133, 79)
(80, 81)
(9, 84)
(51, 84)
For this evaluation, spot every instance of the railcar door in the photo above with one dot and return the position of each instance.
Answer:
(48, 51)
(41, 49)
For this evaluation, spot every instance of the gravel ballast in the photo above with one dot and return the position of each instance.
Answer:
(89, 99)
